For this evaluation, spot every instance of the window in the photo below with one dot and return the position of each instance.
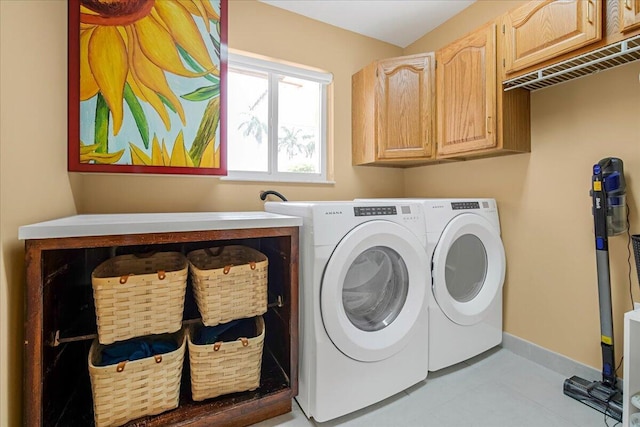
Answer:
(276, 121)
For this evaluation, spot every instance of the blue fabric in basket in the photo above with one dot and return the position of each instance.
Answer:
(229, 331)
(135, 350)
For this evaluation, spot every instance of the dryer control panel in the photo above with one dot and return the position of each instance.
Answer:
(374, 210)
(465, 205)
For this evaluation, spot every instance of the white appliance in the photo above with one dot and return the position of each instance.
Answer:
(468, 266)
(363, 303)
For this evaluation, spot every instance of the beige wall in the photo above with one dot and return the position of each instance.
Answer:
(543, 198)
(34, 184)
(36, 187)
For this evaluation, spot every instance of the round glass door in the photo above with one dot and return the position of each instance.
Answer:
(468, 268)
(373, 290)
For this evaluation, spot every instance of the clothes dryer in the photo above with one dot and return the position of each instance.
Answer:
(467, 268)
(363, 303)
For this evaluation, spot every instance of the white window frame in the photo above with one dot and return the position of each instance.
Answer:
(275, 69)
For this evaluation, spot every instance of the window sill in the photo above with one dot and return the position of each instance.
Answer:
(314, 181)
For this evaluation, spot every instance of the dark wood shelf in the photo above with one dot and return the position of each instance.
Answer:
(60, 326)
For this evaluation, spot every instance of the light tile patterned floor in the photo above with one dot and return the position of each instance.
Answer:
(495, 389)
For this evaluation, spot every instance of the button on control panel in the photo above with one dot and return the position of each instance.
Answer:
(465, 205)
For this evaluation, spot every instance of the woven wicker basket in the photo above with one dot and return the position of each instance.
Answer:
(137, 296)
(225, 367)
(229, 283)
(135, 389)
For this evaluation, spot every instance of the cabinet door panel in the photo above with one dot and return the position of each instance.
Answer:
(405, 107)
(629, 15)
(466, 76)
(538, 31)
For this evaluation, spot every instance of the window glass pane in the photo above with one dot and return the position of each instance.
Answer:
(247, 121)
(298, 125)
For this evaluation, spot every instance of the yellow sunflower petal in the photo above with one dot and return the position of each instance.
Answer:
(134, 87)
(158, 45)
(165, 154)
(88, 85)
(209, 155)
(101, 158)
(86, 149)
(158, 19)
(210, 10)
(179, 156)
(109, 65)
(197, 9)
(185, 32)
(149, 75)
(139, 157)
(156, 153)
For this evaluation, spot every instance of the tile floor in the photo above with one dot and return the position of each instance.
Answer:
(495, 389)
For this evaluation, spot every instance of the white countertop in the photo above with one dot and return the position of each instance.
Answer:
(113, 224)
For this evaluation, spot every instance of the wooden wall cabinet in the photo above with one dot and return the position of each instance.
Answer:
(60, 325)
(393, 112)
(539, 31)
(476, 118)
(629, 15)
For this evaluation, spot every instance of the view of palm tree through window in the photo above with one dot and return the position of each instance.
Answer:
(294, 132)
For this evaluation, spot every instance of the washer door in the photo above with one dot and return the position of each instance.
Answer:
(373, 290)
(468, 268)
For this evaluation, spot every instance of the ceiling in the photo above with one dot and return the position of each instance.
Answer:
(399, 22)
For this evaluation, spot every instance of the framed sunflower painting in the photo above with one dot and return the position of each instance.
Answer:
(147, 86)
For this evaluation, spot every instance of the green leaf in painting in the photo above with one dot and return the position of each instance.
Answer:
(203, 93)
(216, 43)
(206, 130)
(166, 102)
(196, 67)
(101, 126)
(138, 114)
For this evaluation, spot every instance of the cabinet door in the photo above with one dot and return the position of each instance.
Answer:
(629, 15)
(466, 92)
(541, 30)
(405, 107)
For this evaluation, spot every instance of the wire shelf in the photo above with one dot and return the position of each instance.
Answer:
(605, 58)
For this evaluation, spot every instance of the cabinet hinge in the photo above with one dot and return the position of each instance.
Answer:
(503, 29)
(503, 63)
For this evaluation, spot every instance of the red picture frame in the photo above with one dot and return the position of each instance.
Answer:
(143, 97)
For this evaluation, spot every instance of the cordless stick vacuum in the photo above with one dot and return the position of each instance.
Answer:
(608, 197)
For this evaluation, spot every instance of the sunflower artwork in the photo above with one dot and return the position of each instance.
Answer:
(146, 86)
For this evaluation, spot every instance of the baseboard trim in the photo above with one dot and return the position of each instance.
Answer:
(549, 359)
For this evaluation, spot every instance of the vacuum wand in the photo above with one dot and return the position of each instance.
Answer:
(608, 198)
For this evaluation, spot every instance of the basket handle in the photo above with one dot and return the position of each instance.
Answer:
(226, 269)
(252, 264)
(120, 366)
(161, 275)
(158, 358)
(218, 344)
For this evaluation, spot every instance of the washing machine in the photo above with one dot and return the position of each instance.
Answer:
(363, 303)
(467, 263)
